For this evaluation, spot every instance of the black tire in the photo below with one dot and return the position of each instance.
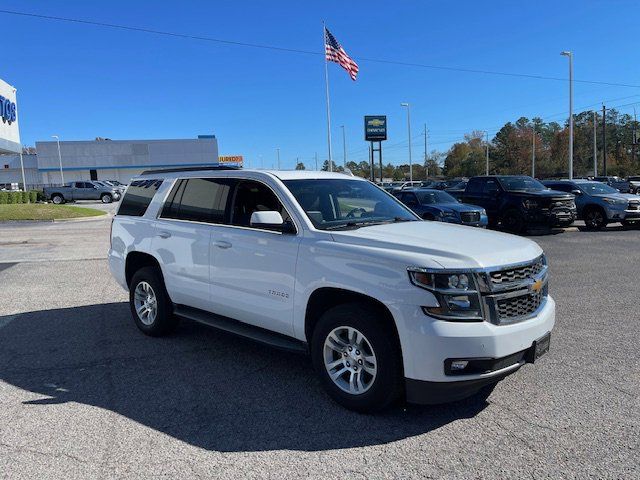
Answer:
(387, 385)
(57, 198)
(594, 218)
(106, 198)
(165, 321)
(513, 221)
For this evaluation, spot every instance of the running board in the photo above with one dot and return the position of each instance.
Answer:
(257, 334)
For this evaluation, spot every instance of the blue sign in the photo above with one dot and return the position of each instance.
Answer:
(8, 110)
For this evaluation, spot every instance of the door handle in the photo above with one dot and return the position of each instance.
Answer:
(164, 234)
(222, 244)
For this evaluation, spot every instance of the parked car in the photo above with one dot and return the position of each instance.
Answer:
(517, 202)
(82, 191)
(599, 204)
(634, 184)
(403, 185)
(615, 182)
(437, 205)
(385, 304)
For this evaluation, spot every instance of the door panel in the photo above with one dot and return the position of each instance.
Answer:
(253, 275)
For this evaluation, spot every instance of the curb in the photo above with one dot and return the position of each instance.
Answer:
(58, 220)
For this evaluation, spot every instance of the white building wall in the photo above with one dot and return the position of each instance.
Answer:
(10, 171)
(121, 159)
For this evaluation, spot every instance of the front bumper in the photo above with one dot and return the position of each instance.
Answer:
(559, 217)
(482, 223)
(427, 342)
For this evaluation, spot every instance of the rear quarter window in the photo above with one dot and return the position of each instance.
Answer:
(138, 197)
(474, 186)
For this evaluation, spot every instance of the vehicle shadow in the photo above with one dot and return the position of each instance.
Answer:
(201, 386)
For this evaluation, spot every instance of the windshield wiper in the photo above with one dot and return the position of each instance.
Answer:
(368, 223)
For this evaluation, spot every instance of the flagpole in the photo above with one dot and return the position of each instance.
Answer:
(326, 81)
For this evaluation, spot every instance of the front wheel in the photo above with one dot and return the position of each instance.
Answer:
(595, 219)
(357, 357)
(57, 199)
(513, 221)
(150, 305)
(106, 198)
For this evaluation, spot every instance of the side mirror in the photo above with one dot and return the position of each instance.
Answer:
(576, 192)
(271, 220)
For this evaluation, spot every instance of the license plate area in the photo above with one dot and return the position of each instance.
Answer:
(539, 348)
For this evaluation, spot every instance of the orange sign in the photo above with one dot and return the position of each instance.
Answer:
(236, 159)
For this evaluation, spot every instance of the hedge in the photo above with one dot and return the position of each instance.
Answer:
(19, 197)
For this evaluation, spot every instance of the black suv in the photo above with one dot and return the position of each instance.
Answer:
(516, 202)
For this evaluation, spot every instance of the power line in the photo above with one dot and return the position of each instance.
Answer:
(304, 52)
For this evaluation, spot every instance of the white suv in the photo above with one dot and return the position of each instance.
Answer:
(386, 304)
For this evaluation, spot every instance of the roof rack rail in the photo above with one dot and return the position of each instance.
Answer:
(189, 169)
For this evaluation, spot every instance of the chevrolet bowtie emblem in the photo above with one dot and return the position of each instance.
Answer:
(536, 286)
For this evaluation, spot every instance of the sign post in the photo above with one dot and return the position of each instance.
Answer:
(375, 131)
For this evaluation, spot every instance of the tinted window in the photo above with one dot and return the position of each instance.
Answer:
(561, 187)
(198, 200)
(597, 188)
(474, 186)
(138, 197)
(252, 197)
(521, 184)
(435, 196)
(491, 186)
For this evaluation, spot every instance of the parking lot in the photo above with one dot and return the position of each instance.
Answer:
(83, 394)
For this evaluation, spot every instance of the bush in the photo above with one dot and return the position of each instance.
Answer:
(15, 197)
(33, 196)
(25, 197)
(4, 198)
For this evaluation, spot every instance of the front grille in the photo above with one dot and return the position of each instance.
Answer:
(469, 217)
(519, 273)
(510, 308)
(562, 203)
(634, 206)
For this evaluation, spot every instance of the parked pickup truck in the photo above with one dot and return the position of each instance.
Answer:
(82, 191)
(386, 304)
(517, 202)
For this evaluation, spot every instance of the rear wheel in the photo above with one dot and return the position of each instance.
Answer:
(594, 218)
(150, 305)
(57, 198)
(357, 357)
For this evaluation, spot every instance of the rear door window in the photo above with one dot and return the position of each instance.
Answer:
(198, 200)
(138, 197)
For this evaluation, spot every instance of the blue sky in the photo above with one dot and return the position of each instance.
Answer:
(82, 81)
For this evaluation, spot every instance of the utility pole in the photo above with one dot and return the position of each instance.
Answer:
(278, 153)
(604, 140)
(633, 144)
(316, 161)
(487, 135)
(533, 152)
(595, 144)
(405, 104)
(426, 165)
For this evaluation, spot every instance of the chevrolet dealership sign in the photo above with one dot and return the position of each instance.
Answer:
(375, 128)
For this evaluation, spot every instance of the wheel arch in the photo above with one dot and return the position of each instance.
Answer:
(325, 298)
(136, 260)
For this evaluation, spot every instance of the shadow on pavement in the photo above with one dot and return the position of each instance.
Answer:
(201, 386)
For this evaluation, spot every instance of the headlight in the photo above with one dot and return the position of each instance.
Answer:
(529, 204)
(456, 292)
(614, 201)
(483, 212)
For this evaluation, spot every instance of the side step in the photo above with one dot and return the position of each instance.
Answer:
(277, 340)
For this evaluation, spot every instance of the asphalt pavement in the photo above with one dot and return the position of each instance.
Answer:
(83, 394)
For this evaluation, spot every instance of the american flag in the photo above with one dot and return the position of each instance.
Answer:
(335, 53)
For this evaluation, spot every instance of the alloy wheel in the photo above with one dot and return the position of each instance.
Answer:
(350, 360)
(145, 302)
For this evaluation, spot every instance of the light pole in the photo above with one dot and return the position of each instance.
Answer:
(533, 152)
(487, 166)
(405, 104)
(344, 148)
(59, 157)
(278, 153)
(570, 55)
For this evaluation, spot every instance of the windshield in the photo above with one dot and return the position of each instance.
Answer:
(521, 184)
(597, 188)
(435, 196)
(332, 204)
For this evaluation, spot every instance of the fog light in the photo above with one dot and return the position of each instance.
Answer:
(458, 365)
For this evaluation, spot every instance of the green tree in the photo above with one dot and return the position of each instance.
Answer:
(300, 166)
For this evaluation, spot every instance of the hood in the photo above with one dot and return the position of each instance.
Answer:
(543, 194)
(449, 245)
(457, 207)
(621, 196)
